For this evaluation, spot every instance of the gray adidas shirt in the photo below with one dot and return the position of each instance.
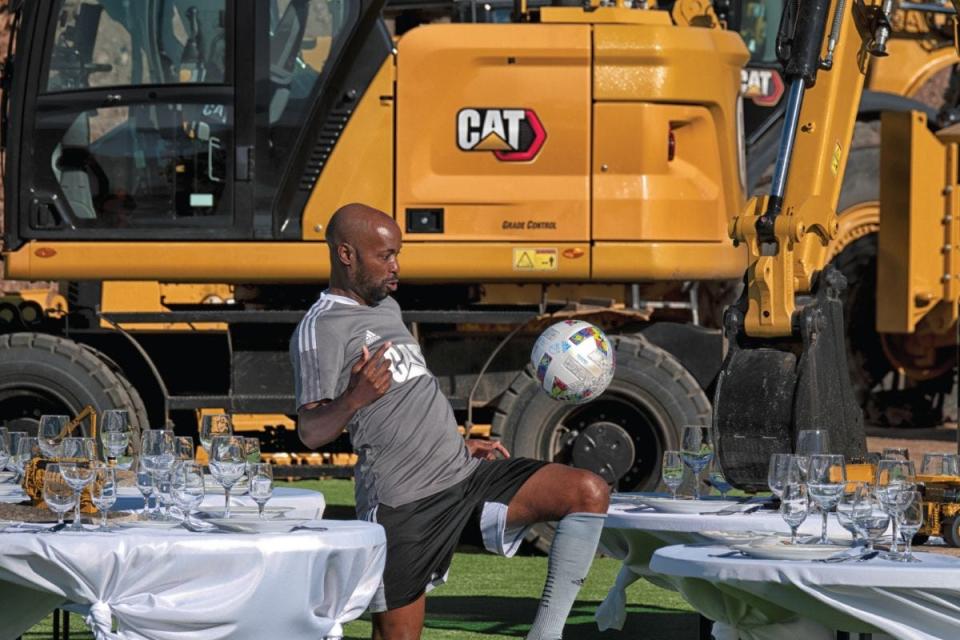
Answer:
(407, 440)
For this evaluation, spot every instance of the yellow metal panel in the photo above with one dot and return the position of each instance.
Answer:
(917, 187)
(667, 261)
(637, 193)
(911, 63)
(443, 69)
(494, 262)
(603, 15)
(666, 64)
(360, 169)
(148, 297)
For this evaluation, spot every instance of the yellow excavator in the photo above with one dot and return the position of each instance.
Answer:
(785, 368)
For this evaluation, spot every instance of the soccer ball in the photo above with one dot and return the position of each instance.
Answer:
(574, 361)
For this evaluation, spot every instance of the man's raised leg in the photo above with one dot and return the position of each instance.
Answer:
(405, 623)
(579, 500)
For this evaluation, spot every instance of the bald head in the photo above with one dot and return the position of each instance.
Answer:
(364, 243)
(353, 222)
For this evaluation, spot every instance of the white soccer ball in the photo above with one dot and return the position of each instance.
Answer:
(574, 361)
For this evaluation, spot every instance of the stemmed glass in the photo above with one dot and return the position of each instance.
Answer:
(57, 493)
(261, 484)
(146, 488)
(825, 482)
(27, 449)
(76, 465)
(158, 454)
(13, 441)
(4, 451)
(51, 433)
(938, 464)
(853, 507)
(186, 485)
(893, 477)
(228, 464)
(811, 442)
(794, 507)
(251, 449)
(895, 453)
(672, 471)
(185, 449)
(872, 522)
(784, 469)
(114, 433)
(716, 478)
(103, 491)
(697, 452)
(213, 425)
(910, 505)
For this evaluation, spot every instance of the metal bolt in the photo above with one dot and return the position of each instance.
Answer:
(947, 218)
(604, 167)
(318, 228)
(947, 190)
(947, 248)
(945, 278)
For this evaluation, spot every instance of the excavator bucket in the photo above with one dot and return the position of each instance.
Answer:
(769, 390)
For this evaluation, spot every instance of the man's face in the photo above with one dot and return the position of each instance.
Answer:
(377, 268)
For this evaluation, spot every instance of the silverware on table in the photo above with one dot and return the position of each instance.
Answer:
(734, 510)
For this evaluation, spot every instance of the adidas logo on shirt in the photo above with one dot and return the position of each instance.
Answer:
(370, 338)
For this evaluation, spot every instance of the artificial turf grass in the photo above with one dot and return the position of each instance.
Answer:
(494, 598)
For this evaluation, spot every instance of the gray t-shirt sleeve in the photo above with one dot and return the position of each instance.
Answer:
(317, 362)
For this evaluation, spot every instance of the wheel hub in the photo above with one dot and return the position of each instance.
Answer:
(604, 448)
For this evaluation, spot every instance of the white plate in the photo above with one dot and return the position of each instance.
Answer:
(742, 537)
(634, 499)
(147, 524)
(669, 505)
(255, 526)
(244, 512)
(783, 550)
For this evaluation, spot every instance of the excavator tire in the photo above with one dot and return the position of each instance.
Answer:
(652, 397)
(43, 374)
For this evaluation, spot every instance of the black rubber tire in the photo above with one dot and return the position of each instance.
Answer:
(41, 373)
(661, 393)
(950, 530)
(919, 539)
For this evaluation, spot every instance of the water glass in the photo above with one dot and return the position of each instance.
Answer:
(910, 518)
(4, 451)
(938, 464)
(895, 453)
(13, 442)
(251, 448)
(261, 484)
(27, 449)
(187, 487)
(146, 487)
(872, 522)
(57, 493)
(784, 469)
(794, 507)
(827, 477)
(717, 479)
(103, 491)
(852, 507)
(213, 425)
(811, 442)
(50, 433)
(77, 468)
(894, 476)
(696, 449)
(227, 464)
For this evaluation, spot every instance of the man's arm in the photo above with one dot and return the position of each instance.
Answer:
(321, 422)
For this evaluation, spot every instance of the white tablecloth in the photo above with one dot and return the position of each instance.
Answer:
(632, 534)
(915, 601)
(172, 584)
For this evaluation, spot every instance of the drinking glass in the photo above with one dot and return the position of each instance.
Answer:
(852, 507)
(893, 477)
(826, 479)
(76, 465)
(672, 471)
(187, 487)
(937, 464)
(27, 449)
(4, 451)
(896, 453)
(103, 491)
(716, 478)
(951, 464)
(146, 488)
(228, 464)
(213, 425)
(873, 521)
(251, 448)
(811, 442)
(911, 519)
(261, 484)
(185, 449)
(784, 469)
(794, 507)
(13, 441)
(50, 433)
(57, 493)
(126, 458)
(697, 451)
(158, 453)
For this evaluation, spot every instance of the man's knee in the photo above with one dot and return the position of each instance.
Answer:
(593, 493)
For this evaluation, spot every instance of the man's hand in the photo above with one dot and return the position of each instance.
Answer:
(370, 377)
(486, 449)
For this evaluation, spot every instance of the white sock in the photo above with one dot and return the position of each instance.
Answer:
(571, 554)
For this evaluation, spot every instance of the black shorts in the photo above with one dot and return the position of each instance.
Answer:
(422, 535)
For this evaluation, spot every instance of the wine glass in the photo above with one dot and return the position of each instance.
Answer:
(251, 448)
(873, 521)
(784, 469)
(57, 493)
(852, 507)
(716, 478)
(227, 463)
(697, 452)
(51, 433)
(103, 491)
(261, 484)
(794, 507)
(13, 441)
(146, 488)
(672, 471)
(158, 453)
(826, 479)
(212, 425)
(910, 507)
(937, 464)
(114, 433)
(893, 477)
(4, 451)
(27, 449)
(811, 442)
(895, 453)
(185, 448)
(76, 465)
(187, 487)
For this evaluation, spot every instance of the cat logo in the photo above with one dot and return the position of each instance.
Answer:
(763, 86)
(513, 135)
